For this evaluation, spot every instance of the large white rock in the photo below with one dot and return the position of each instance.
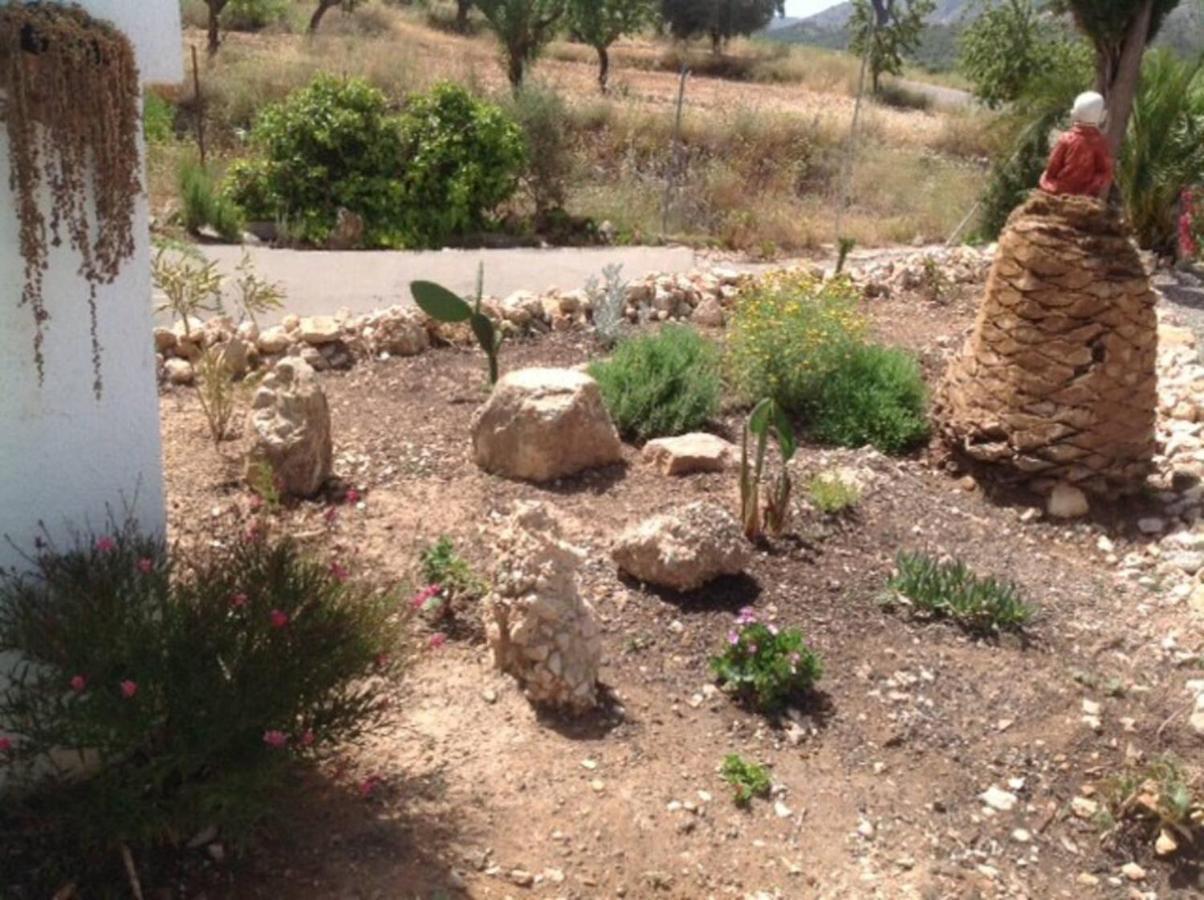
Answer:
(683, 550)
(541, 424)
(291, 423)
(538, 626)
(696, 452)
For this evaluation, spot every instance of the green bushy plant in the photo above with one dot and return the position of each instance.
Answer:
(747, 779)
(444, 568)
(542, 114)
(463, 157)
(952, 590)
(662, 384)
(187, 686)
(416, 179)
(158, 119)
(328, 146)
(764, 665)
(873, 395)
(203, 205)
(786, 333)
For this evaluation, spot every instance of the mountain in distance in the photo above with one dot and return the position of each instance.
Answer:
(1183, 31)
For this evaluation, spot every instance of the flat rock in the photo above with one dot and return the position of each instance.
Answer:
(315, 330)
(543, 424)
(683, 550)
(689, 453)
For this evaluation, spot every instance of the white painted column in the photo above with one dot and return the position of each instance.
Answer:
(66, 457)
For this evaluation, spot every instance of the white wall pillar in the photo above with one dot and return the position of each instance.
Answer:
(66, 457)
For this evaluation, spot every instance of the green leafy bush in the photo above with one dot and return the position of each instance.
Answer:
(786, 334)
(253, 15)
(158, 119)
(951, 590)
(443, 567)
(187, 687)
(765, 665)
(663, 384)
(463, 157)
(416, 180)
(873, 395)
(203, 205)
(748, 779)
(542, 114)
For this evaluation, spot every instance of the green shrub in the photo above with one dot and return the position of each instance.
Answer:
(951, 590)
(873, 395)
(900, 96)
(442, 566)
(463, 157)
(253, 15)
(831, 494)
(764, 665)
(328, 146)
(158, 119)
(203, 205)
(542, 116)
(416, 180)
(748, 779)
(663, 384)
(786, 334)
(189, 687)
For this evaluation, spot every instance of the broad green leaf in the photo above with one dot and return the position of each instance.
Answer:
(482, 327)
(439, 303)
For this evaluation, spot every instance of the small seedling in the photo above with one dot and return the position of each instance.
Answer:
(1158, 799)
(748, 779)
(443, 566)
(831, 495)
(951, 590)
(443, 306)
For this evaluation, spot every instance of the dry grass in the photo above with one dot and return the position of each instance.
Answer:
(762, 160)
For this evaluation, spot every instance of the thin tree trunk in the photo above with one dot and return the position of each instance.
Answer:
(215, 35)
(1121, 89)
(323, 7)
(603, 68)
(462, 8)
(515, 72)
(716, 41)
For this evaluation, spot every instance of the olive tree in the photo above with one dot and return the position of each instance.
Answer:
(887, 30)
(216, 7)
(721, 20)
(600, 23)
(523, 28)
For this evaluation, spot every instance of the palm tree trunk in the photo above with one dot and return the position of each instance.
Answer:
(1119, 77)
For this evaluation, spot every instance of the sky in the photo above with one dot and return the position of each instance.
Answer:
(807, 7)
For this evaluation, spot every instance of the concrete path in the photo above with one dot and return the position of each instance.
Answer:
(320, 282)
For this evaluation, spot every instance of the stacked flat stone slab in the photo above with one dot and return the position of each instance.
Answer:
(1058, 380)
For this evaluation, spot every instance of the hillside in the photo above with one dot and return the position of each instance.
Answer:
(1183, 32)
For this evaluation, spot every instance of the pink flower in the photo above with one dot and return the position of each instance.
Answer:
(105, 545)
(425, 595)
(368, 786)
(146, 566)
(5, 745)
(733, 638)
(78, 683)
(752, 648)
(438, 639)
(773, 629)
(382, 660)
(278, 618)
(275, 739)
(352, 496)
(307, 739)
(331, 515)
(129, 689)
(238, 601)
(338, 572)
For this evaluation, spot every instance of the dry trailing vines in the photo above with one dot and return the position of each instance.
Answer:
(69, 101)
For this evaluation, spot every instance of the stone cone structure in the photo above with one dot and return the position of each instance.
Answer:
(290, 420)
(1057, 382)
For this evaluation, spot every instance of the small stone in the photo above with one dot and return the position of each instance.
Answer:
(865, 828)
(998, 799)
(522, 877)
(1091, 708)
(781, 810)
(1087, 879)
(1084, 808)
(317, 330)
(489, 695)
(590, 764)
(553, 876)
(1166, 843)
(689, 453)
(1132, 871)
(1021, 836)
(597, 785)
(1151, 525)
(1067, 502)
(179, 371)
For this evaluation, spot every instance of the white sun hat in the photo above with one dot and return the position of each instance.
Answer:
(1089, 109)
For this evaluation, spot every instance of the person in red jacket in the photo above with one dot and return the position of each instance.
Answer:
(1081, 163)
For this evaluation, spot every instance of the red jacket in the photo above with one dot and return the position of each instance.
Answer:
(1080, 164)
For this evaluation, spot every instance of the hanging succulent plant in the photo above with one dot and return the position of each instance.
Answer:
(69, 101)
